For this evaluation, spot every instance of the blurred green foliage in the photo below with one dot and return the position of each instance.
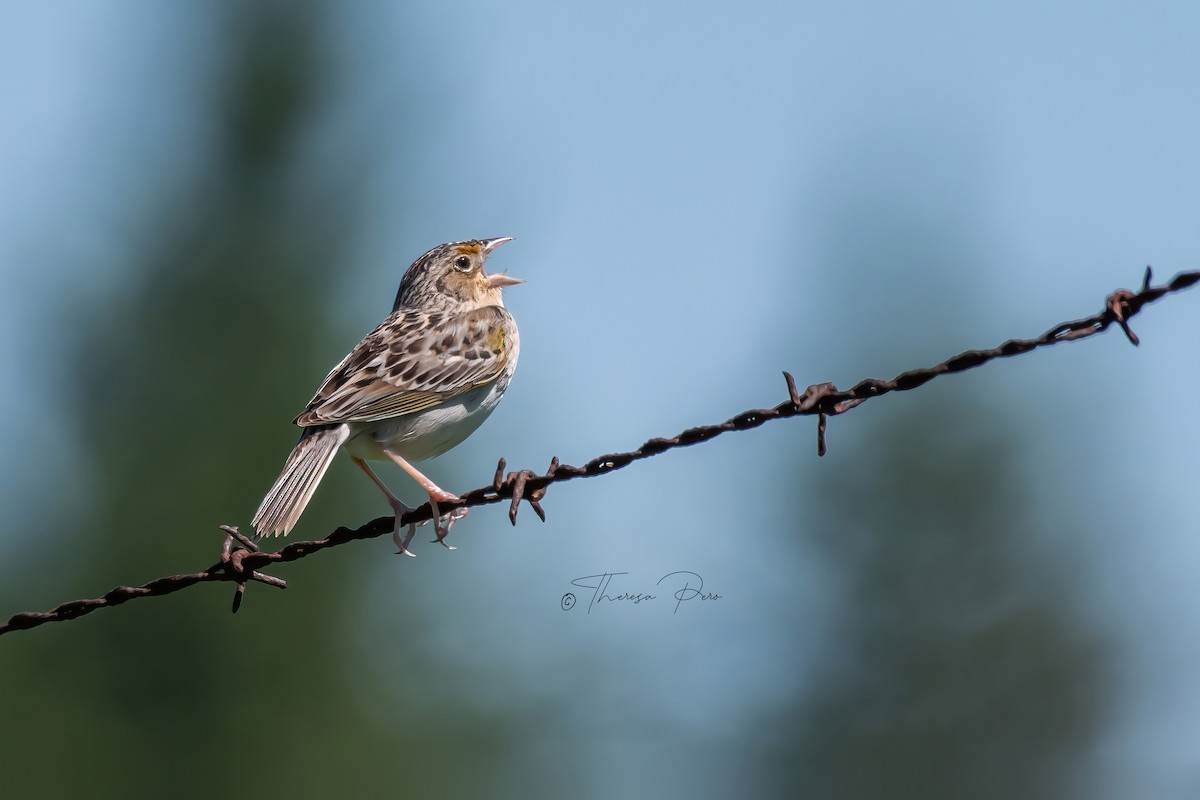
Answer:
(962, 666)
(175, 695)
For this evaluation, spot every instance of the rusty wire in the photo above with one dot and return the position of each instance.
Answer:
(241, 560)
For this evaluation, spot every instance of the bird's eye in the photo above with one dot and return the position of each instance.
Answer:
(463, 263)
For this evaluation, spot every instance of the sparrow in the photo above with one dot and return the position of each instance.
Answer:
(420, 383)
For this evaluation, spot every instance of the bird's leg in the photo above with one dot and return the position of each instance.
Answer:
(441, 524)
(398, 508)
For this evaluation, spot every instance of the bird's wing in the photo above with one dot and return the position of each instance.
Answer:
(413, 361)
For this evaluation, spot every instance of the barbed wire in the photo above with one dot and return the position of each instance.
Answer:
(241, 561)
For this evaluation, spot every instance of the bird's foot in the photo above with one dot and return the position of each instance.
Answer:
(402, 542)
(442, 528)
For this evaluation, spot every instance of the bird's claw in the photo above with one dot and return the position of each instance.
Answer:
(402, 543)
(445, 522)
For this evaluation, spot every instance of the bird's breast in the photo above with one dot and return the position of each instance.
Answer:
(429, 433)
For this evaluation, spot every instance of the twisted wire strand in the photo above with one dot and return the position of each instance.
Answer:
(241, 561)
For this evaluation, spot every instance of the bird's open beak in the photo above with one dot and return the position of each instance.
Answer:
(498, 279)
(491, 244)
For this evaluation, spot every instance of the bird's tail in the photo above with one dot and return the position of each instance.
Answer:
(283, 505)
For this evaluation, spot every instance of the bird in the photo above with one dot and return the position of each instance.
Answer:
(419, 384)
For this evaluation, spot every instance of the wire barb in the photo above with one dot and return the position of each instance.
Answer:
(241, 565)
(1118, 306)
(813, 397)
(233, 557)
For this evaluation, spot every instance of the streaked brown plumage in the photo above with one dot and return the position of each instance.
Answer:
(414, 387)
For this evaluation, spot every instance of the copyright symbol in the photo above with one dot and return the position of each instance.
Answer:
(567, 602)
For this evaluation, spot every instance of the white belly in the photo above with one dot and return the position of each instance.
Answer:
(428, 434)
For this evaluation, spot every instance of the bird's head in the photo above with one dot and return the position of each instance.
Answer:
(452, 275)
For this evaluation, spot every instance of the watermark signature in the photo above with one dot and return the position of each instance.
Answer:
(680, 586)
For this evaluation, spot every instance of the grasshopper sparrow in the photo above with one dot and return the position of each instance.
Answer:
(413, 388)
